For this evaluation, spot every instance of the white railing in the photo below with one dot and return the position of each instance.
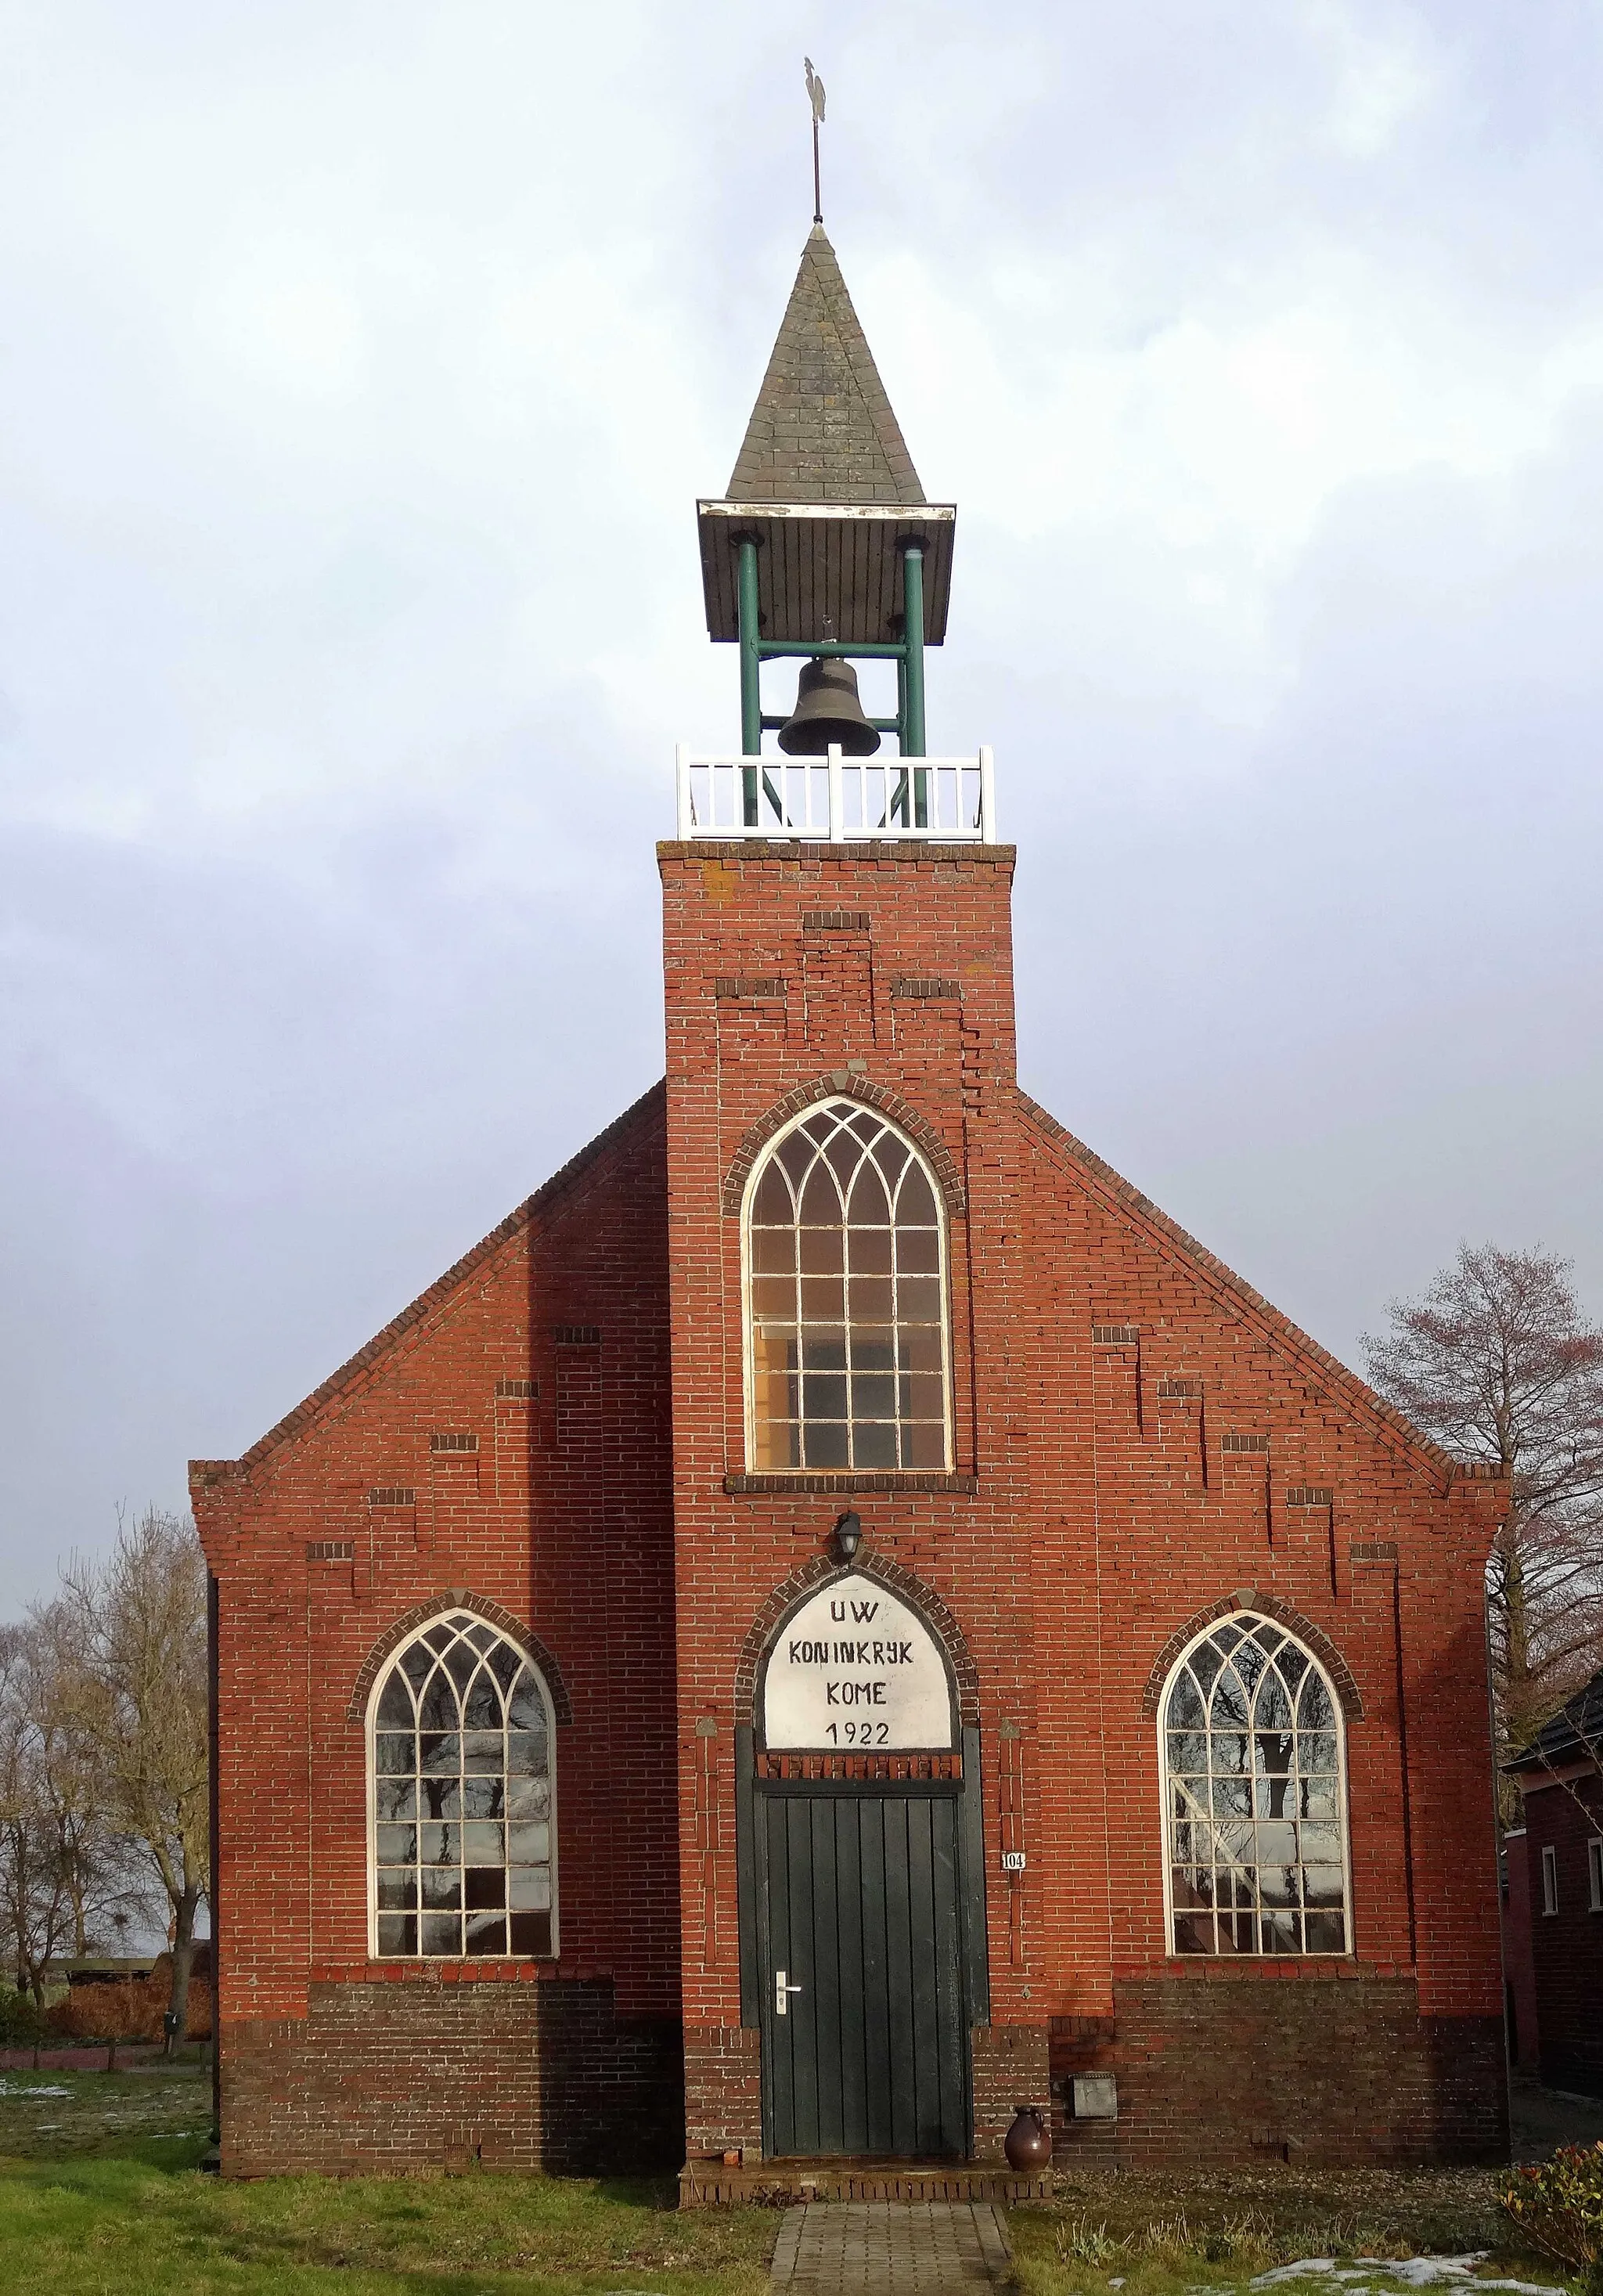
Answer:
(836, 798)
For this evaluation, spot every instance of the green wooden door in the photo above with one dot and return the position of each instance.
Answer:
(868, 2055)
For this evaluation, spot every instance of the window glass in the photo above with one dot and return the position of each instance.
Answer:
(846, 1345)
(1550, 1880)
(461, 1799)
(1254, 1802)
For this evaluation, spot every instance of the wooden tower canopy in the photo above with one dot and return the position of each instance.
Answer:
(825, 487)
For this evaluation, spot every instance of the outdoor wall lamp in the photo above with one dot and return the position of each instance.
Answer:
(848, 1537)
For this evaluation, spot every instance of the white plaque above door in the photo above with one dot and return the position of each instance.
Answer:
(853, 1667)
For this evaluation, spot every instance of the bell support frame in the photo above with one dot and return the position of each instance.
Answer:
(907, 652)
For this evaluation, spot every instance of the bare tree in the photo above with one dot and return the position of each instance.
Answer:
(130, 1636)
(61, 1866)
(1498, 1363)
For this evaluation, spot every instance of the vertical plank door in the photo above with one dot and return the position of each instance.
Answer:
(870, 2056)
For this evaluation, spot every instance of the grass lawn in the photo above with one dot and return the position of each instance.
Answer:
(1143, 2235)
(100, 2195)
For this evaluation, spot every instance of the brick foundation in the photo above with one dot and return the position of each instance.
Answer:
(1011, 2067)
(1338, 2072)
(724, 2091)
(408, 2077)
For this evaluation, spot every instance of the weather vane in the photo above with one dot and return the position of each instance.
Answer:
(815, 94)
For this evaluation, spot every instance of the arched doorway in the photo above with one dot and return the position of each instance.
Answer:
(863, 1927)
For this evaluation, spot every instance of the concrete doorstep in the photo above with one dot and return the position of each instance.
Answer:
(891, 2248)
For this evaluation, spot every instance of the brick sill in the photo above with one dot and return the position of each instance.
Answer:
(909, 1480)
(416, 1971)
(1226, 1968)
(810, 850)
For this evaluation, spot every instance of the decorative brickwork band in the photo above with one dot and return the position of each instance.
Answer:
(889, 1478)
(396, 1495)
(331, 1550)
(767, 985)
(577, 1335)
(836, 920)
(1115, 1335)
(1310, 1495)
(1244, 1443)
(1372, 1550)
(1268, 1606)
(517, 1390)
(494, 1614)
(868, 1768)
(897, 1580)
(1179, 1390)
(843, 1085)
(927, 992)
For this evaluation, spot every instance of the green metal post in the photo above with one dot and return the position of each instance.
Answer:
(898, 800)
(751, 684)
(913, 678)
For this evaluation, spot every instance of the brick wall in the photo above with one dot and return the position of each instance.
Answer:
(1141, 1443)
(1519, 1965)
(1566, 1948)
(1331, 2071)
(555, 1433)
(529, 2076)
(503, 1444)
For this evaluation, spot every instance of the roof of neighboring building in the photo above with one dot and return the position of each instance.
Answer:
(822, 429)
(1576, 1730)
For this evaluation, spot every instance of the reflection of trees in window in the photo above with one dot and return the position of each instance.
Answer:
(848, 1320)
(1253, 1787)
(461, 1797)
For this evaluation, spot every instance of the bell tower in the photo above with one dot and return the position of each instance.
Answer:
(839, 982)
(824, 548)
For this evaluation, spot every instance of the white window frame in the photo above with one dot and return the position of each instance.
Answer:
(1348, 1924)
(1549, 1879)
(1594, 1874)
(369, 1756)
(749, 1375)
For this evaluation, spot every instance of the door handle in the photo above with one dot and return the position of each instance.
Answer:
(782, 1993)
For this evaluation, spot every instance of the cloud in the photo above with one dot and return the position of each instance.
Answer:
(363, 366)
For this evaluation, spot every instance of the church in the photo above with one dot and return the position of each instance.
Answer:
(839, 1623)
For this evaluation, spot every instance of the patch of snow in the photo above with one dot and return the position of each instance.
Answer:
(30, 2088)
(1413, 2271)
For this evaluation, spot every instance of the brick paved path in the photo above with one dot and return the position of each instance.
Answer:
(890, 2248)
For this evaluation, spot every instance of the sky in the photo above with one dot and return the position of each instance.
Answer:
(361, 368)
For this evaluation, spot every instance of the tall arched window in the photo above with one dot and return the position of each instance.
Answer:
(846, 1265)
(463, 1827)
(1255, 1795)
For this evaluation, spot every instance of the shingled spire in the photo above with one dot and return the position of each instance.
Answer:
(822, 429)
(825, 492)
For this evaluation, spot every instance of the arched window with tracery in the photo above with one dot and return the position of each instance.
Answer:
(463, 1818)
(1255, 1795)
(846, 1356)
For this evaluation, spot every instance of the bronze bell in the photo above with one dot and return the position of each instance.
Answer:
(827, 711)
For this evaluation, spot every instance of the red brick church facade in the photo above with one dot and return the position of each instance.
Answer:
(1132, 1723)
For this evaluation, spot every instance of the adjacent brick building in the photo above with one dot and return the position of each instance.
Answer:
(1556, 1951)
(839, 1619)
